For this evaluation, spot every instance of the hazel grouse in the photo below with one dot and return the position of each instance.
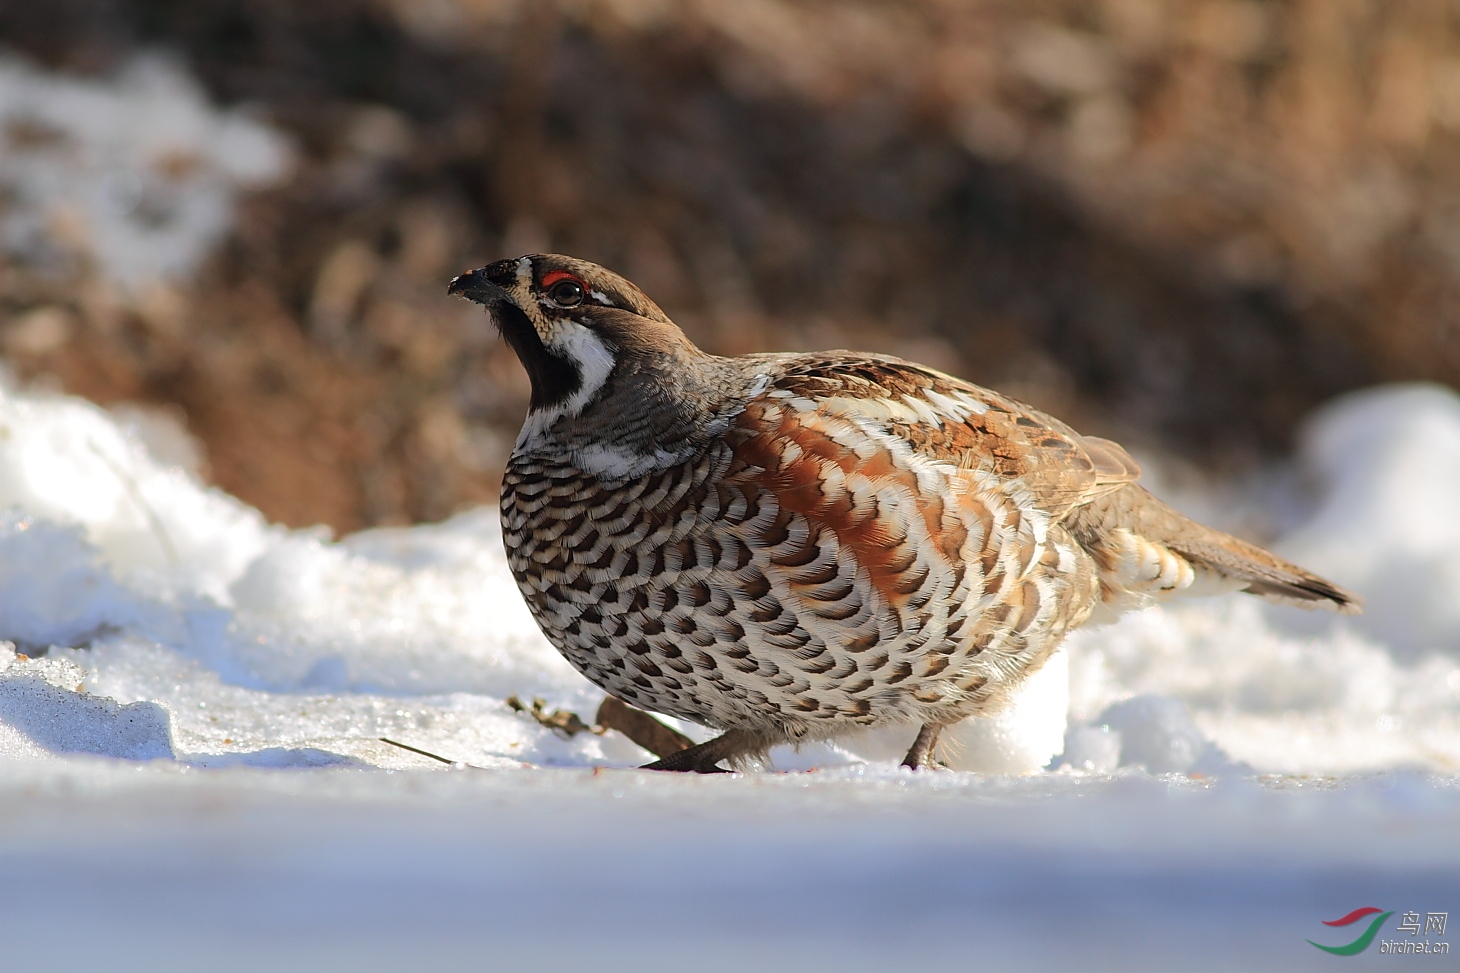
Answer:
(793, 547)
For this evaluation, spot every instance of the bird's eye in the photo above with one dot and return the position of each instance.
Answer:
(566, 293)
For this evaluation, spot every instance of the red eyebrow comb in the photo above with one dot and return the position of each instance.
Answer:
(553, 276)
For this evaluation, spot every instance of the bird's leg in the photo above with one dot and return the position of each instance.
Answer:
(703, 758)
(921, 752)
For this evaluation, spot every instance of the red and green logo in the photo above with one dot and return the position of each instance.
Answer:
(1365, 938)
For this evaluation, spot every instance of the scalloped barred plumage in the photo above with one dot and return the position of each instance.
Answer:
(794, 547)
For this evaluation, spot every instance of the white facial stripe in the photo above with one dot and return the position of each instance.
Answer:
(594, 361)
(584, 348)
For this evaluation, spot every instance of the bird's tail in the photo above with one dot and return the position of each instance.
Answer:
(1146, 552)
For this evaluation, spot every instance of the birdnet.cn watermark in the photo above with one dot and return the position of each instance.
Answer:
(1434, 923)
(1407, 933)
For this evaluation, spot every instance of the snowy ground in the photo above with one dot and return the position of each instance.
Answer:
(194, 706)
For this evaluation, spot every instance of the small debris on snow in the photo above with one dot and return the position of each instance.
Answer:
(562, 722)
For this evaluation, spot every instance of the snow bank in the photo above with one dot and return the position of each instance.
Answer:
(252, 639)
(1389, 459)
(1286, 691)
(137, 175)
(43, 709)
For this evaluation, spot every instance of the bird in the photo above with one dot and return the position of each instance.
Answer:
(792, 547)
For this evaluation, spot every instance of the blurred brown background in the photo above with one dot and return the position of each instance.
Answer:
(1181, 222)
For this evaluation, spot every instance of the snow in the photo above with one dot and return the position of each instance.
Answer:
(136, 175)
(1391, 458)
(43, 708)
(196, 710)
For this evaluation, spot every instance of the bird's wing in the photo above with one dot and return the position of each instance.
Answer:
(950, 421)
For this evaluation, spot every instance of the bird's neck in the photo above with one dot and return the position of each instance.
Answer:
(647, 415)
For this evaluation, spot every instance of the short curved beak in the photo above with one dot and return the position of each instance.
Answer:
(474, 286)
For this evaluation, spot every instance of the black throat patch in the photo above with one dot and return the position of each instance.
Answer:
(554, 379)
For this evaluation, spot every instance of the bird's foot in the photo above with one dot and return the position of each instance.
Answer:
(641, 727)
(921, 752)
(704, 758)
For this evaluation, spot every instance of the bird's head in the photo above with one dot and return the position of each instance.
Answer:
(575, 326)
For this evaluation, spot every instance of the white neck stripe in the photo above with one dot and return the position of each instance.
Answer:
(594, 362)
